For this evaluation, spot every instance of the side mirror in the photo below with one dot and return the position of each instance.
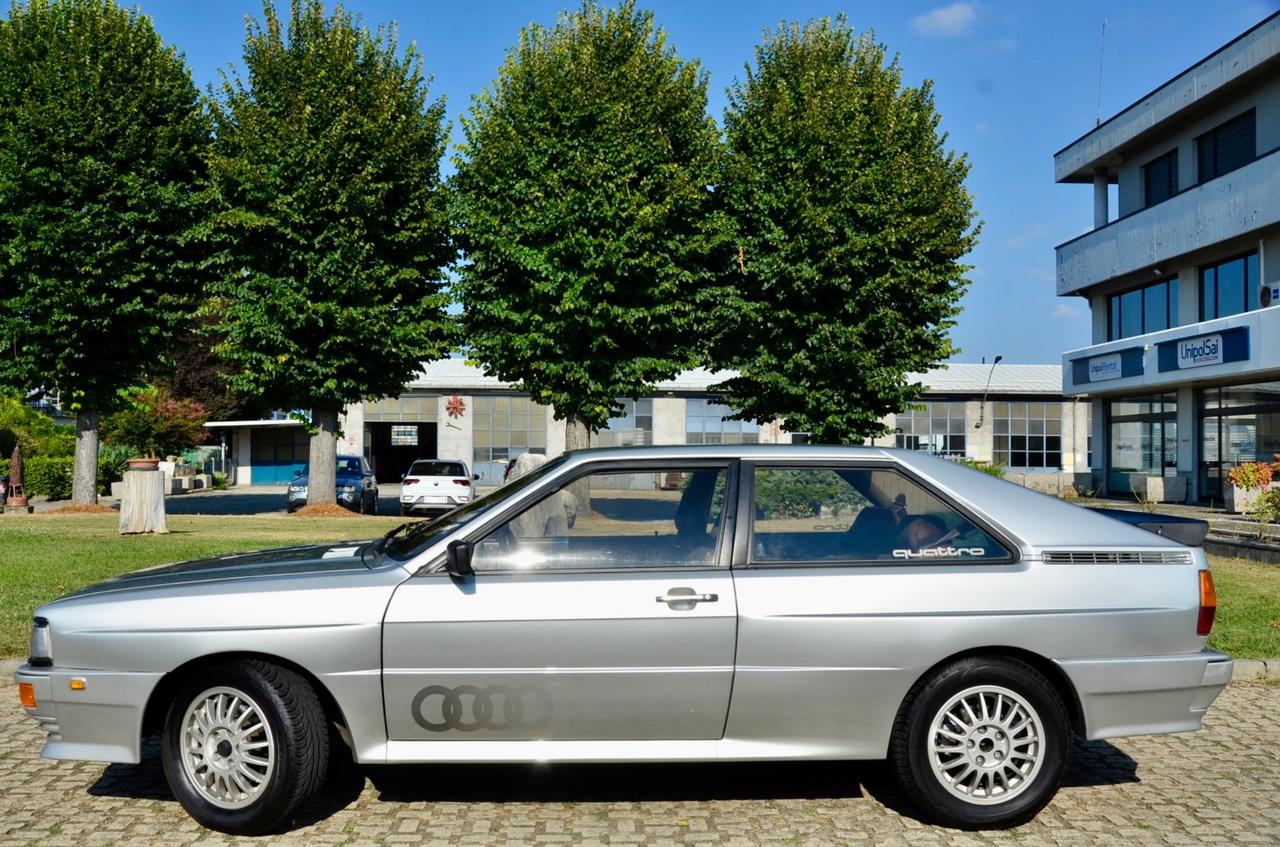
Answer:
(475, 476)
(297, 473)
(457, 559)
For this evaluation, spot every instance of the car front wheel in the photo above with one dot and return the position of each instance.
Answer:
(245, 746)
(982, 743)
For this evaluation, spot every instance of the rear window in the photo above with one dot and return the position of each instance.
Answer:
(437, 469)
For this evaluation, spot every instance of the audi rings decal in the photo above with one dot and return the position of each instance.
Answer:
(468, 708)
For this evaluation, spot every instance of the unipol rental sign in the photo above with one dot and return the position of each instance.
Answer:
(1198, 351)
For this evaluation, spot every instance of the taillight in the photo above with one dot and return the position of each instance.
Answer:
(465, 482)
(410, 482)
(1208, 603)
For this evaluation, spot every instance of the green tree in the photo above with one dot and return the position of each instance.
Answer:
(583, 210)
(101, 137)
(333, 227)
(852, 219)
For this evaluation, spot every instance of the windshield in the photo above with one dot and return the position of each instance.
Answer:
(437, 469)
(348, 465)
(423, 534)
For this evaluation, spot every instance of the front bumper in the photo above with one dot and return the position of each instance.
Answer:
(102, 722)
(1145, 695)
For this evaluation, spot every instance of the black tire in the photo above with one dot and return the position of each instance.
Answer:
(911, 759)
(299, 743)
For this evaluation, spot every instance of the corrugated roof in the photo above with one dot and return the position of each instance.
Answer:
(960, 378)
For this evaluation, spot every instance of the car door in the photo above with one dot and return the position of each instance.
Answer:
(621, 627)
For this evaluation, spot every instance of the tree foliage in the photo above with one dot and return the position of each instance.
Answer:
(101, 137)
(584, 212)
(852, 219)
(332, 229)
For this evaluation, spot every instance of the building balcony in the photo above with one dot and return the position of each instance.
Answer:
(1233, 205)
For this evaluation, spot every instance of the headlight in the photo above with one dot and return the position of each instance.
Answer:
(297, 489)
(348, 489)
(41, 654)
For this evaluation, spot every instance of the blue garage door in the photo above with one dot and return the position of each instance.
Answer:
(278, 453)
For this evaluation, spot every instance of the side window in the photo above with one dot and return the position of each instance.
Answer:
(642, 519)
(858, 514)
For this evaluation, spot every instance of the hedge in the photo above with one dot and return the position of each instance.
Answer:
(50, 476)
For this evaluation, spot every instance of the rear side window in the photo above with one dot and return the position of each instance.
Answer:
(437, 469)
(859, 515)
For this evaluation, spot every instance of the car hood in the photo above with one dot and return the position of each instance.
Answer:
(261, 564)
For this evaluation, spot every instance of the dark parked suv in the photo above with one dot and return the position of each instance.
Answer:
(357, 489)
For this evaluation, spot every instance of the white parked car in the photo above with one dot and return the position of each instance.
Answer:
(435, 486)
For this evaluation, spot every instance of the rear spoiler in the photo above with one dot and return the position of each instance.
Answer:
(1188, 531)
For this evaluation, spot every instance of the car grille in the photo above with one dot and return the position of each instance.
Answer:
(1118, 557)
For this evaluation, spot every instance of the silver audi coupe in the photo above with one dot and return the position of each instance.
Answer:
(728, 602)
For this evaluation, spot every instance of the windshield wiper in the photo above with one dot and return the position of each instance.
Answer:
(392, 533)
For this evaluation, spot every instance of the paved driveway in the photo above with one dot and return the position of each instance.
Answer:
(1217, 786)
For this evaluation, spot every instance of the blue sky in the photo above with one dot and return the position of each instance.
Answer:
(1014, 83)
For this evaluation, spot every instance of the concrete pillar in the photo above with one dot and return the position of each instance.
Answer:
(979, 441)
(1099, 317)
(351, 424)
(455, 436)
(244, 456)
(1101, 442)
(1188, 443)
(668, 420)
(1101, 197)
(555, 434)
(1188, 297)
(890, 438)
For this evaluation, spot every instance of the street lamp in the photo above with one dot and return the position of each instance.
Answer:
(982, 412)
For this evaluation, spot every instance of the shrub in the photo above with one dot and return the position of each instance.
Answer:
(1251, 475)
(990, 468)
(35, 431)
(219, 481)
(156, 423)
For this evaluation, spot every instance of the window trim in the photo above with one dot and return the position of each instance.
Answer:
(743, 553)
(720, 560)
(1217, 263)
(1113, 301)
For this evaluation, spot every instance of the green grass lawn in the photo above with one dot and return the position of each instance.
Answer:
(1248, 622)
(45, 556)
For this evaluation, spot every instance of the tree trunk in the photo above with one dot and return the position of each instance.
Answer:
(84, 481)
(578, 437)
(322, 483)
(142, 504)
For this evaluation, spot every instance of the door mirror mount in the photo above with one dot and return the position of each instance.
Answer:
(457, 559)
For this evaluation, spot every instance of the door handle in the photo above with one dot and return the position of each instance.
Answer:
(683, 599)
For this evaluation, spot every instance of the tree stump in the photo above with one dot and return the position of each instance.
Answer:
(142, 503)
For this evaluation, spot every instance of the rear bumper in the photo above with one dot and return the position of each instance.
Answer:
(416, 503)
(1145, 695)
(101, 723)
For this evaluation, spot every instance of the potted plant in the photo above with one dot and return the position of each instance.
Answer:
(1246, 482)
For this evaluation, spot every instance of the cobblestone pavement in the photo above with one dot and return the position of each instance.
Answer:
(1221, 785)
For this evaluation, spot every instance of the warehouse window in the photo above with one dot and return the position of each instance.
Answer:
(634, 427)
(1028, 435)
(704, 423)
(1228, 146)
(933, 426)
(505, 427)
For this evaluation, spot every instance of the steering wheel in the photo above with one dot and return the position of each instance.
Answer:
(504, 537)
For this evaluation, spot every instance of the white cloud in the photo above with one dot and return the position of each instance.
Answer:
(946, 21)
(1063, 311)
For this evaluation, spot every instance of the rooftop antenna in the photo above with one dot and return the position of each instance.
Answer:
(1102, 52)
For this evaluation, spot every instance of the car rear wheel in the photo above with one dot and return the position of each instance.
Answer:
(982, 743)
(245, 746)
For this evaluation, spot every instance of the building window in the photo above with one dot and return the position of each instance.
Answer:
(1027, 435)
(1237, 424)
(933, 426)
(505, 427)
(1228, 146)
(634, 427)
(1160, 178)
(404, 436)
(1150, 308)
(1229, 288)
(1144, 440)
(704, 423)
